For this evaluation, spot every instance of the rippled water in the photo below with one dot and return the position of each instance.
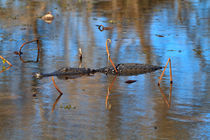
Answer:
(100, 106)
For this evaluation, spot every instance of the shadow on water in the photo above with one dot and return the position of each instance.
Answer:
(143, 31)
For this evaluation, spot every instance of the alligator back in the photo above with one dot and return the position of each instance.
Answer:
(129, 69)
(67, 73)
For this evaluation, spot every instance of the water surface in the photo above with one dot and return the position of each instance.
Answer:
(143, 32)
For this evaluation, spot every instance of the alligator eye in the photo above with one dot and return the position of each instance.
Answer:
(65, 69)
(37, 75)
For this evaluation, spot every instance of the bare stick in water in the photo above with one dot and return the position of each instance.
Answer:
(5, 60)
(161, 76)
(27, 43)
(109, 58)
(61, 93)
(101, 28)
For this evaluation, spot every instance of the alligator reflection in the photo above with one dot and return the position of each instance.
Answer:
(167, 100)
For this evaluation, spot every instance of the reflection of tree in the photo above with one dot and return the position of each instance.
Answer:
(127, 16)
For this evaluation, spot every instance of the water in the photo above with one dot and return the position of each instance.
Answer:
(100, 106)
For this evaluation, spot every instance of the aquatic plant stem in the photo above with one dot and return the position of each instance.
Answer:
(108, 54)
(61, 93)
(5, 60)
(28, 43)
(169, 61)
(171, 81)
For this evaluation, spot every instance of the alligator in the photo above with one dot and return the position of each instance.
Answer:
(124, 69)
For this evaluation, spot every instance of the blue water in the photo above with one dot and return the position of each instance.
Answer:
(143, 32)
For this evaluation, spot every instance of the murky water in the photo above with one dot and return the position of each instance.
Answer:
(100, 106)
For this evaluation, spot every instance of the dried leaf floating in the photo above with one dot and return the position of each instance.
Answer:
(48, 18)
(130, 81)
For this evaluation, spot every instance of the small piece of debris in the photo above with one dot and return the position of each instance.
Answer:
(48, 18)
(130, 81)
(159, 35)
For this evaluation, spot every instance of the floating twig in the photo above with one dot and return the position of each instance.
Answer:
(19, 53)
(167, 101)
(171, 81)
(5, 60)
(108, 54)
(108, 106)
(102, 28)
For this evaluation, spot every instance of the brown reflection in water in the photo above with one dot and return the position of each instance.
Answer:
(56, 101)
(108, 105)
(5, 69)
(167, 101)
(61, 93)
